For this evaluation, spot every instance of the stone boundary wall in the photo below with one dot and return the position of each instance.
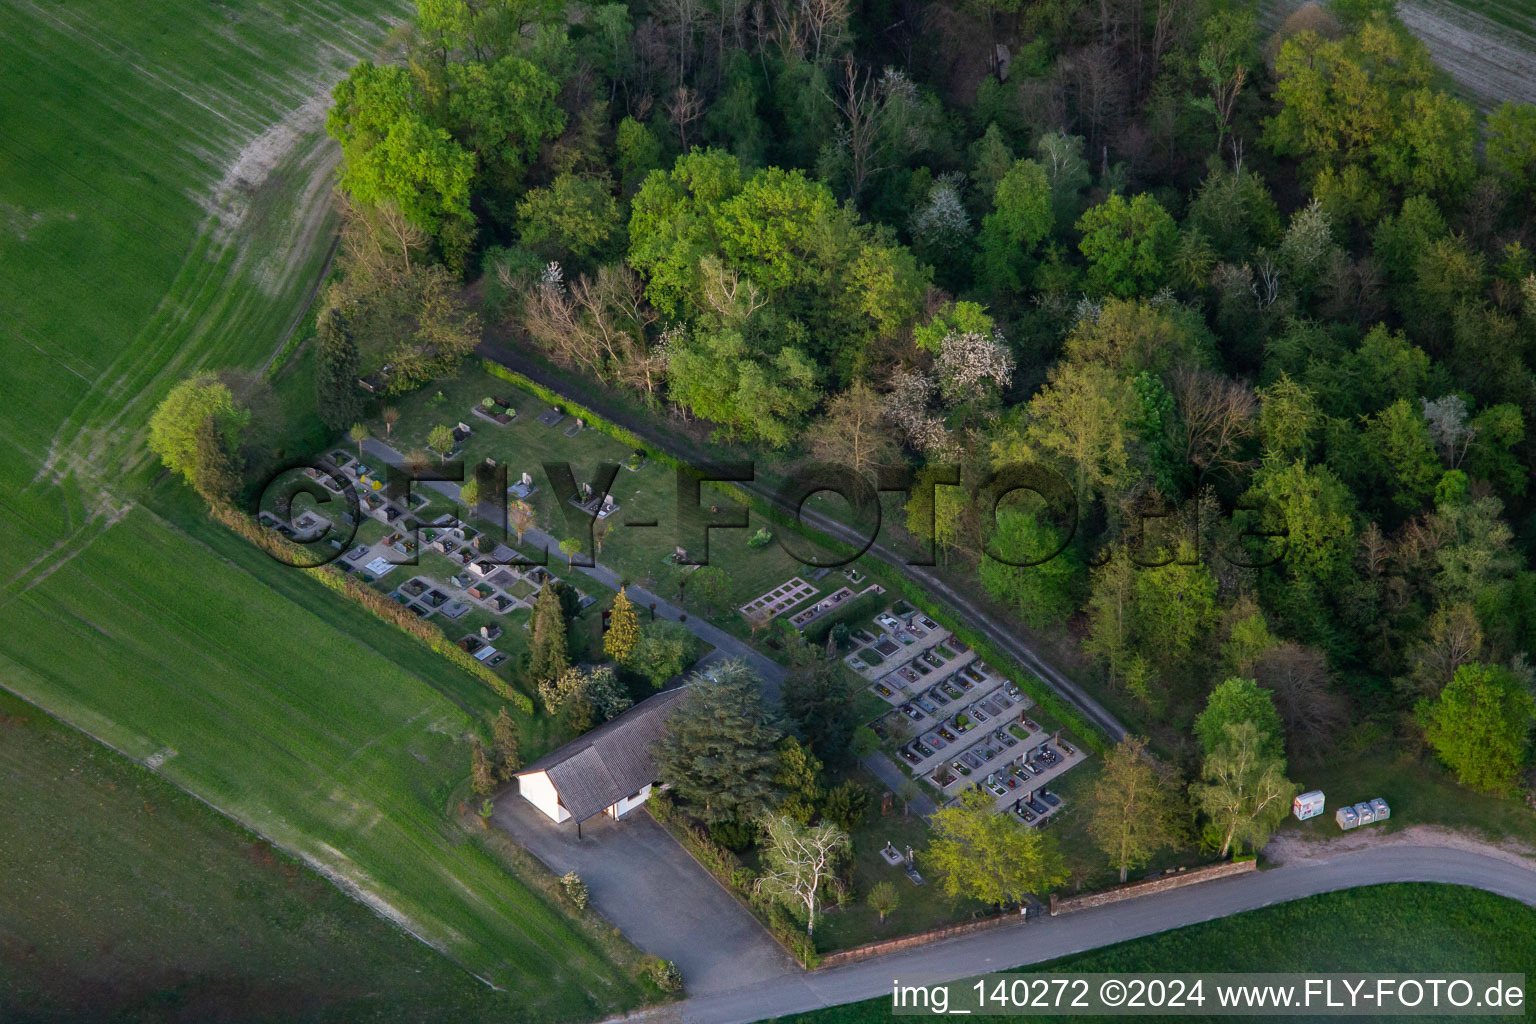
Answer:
(1058, 906)
(1151, 885)
(864, 952)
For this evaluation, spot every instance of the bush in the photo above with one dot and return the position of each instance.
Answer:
(733, 835)
(846, 805)
(660, 806)
(803, 948)
(761, 539)
(862, 607)
(665, 974)
(575, 889)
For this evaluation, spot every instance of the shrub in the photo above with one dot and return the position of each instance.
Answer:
(761, 539)
(733, 835)
(883, 899)
(862, 607)
(575, 889)
(846, 805)
(665, 974)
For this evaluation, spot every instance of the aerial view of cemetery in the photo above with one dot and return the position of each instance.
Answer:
(790, 512)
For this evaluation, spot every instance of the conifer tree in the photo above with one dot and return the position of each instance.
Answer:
(508, 748)
(549, 655)
(482, 775)
(719, 753)
(623, 630)
(336, 393)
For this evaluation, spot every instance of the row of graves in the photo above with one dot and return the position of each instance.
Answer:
(795, 592)
(957, 723)
(373, 502)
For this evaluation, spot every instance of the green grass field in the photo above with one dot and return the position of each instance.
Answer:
(165, 910)
(346, 750)
(167, 208)
(1434, 928)
(166, 201)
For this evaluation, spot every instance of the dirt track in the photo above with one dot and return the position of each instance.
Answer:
(1489, 61)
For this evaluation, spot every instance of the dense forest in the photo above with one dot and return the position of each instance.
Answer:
(1224, 281)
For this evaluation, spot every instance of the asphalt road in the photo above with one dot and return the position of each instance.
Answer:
(1042, 939)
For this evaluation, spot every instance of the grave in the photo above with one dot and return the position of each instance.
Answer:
(551, 417)
(522, 488)
(780, 599)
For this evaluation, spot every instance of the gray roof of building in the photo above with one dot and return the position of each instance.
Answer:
(613, 761)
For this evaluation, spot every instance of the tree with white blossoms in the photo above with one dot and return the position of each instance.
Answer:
(1308, 245)
(598, 687)
(798, 863)
(972, 364)
(941, 227)
(906, 405)
(1448, 427)
(972, 368)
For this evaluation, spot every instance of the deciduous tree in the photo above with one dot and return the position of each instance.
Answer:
(883, 899)
(1233, 702)
(855, 433)
(1245, 793)
(1480, 725)
(799, 862)
(183, 413)
(1129, 245)
(663, 650)
(1133, 806)
(995, 858)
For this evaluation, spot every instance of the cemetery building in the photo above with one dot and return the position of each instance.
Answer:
(609, 770)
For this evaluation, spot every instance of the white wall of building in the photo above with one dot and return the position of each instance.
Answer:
(629, 803)
(539, 791)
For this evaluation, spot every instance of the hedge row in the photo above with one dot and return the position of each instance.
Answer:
(890, 578)
(865, 606)
(379, 604)
(588, 417)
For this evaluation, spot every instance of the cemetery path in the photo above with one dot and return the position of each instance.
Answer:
(770, 671)
(1040, 939)
(1002, 635)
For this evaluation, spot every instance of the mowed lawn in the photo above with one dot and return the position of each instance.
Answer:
(165, 910)
(1406, 928)
(650, 495)
(320, 728)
